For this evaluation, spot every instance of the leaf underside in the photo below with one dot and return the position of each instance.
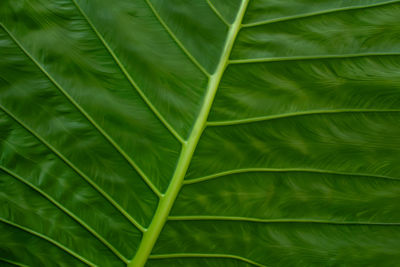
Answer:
(199, 133)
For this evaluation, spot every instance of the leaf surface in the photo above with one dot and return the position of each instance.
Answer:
(199, 133)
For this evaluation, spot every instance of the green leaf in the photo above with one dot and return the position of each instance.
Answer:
(199, 133)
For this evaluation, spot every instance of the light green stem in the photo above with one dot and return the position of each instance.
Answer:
(164, 207)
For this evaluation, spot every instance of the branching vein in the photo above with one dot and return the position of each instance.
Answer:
(297, 114)
(165, 204)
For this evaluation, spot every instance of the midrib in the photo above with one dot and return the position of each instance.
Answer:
(150, 236)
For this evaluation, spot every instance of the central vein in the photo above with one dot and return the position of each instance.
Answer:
(150, 236)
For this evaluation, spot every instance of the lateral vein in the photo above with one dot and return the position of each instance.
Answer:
(219, 15)
(176, 40)
(48, 239)
(249, 170)
(159, 116)
(259, 220)
(13, 262)
(297, 114)
(312, 14)
(304, 58)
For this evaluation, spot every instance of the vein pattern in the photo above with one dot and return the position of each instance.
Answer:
(199, 133)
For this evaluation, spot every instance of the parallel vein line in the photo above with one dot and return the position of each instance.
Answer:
(205, 255)
(258, 220)
(48, 239)
(176, 40)
(83, 112)
(304, 58)
(219, 15)
(249, 170)
(79, 172)
(166, 203)
(322, 12)
(66, 211)
(298, 114)
(159, 116)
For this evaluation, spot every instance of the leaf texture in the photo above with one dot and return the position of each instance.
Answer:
(199, 133)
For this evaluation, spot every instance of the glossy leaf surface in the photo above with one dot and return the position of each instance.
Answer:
(199, 133)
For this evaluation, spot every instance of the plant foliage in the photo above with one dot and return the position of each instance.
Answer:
(199, 133)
